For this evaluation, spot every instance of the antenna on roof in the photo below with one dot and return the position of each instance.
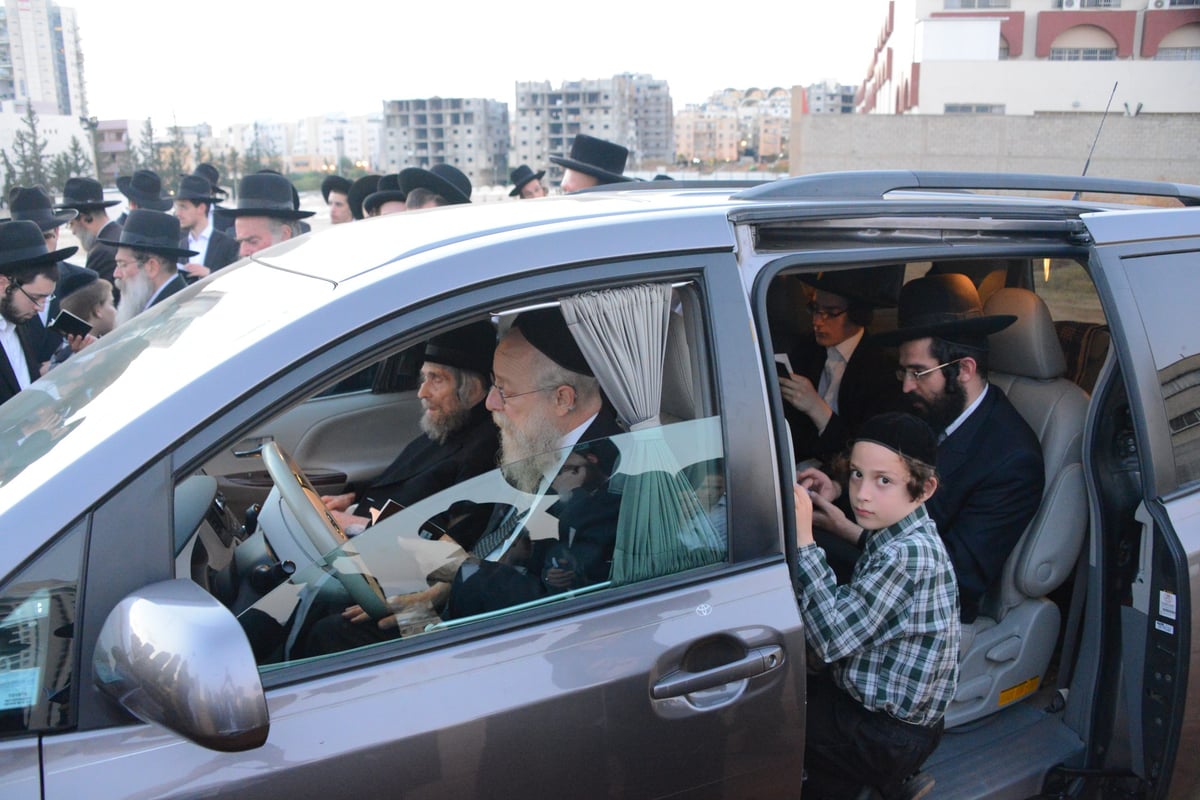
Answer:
(1103, 117)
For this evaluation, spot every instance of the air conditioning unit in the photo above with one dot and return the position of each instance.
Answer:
(1068, 3)
(1159, 3)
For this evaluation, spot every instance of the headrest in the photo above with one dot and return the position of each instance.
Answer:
(1029, 347)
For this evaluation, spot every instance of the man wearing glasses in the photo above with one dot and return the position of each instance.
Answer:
(28, 273)
(842, 378)
(989, 460)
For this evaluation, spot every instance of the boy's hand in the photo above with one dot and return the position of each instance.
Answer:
(804, 516)
(820, 483)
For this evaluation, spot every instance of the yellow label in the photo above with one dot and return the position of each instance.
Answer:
(1023, 689)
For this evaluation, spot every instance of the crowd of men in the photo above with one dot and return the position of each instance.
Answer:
(170, 237)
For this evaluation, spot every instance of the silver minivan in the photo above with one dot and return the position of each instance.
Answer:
(165, 557)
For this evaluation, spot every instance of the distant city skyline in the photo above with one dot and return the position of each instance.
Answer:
(240, 61)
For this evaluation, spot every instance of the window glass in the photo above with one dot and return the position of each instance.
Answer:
(1167, 315)
(1067, 290)
(37, 639)
(607, 507)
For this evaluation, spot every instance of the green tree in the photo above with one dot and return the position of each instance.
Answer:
(29, 163)
(146, 155)
(73, 163)
(174, 165)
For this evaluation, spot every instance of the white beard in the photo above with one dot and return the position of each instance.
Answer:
(527, 456)
(135, 293)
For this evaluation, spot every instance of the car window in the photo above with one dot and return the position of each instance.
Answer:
(607, 511)
(1067, 290)
(37, 639)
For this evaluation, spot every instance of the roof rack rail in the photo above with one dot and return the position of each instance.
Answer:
(875, 184)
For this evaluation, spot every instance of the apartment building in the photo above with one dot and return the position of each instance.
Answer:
(734, 124)
(1034, 56)
(468, 133)
(632, 110)
(40, 60)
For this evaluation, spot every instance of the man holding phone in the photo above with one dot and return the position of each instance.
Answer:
(28, 273)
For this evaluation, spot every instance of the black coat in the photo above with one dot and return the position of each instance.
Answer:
(991, 480)
(103, 257)
(868, 387)
(174, 286)
(8, 377)
(222, 251)
(425, 467)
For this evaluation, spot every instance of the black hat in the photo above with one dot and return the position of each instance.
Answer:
(153, 231)
(877, 287)
(602, 160)
(359, 191)
(197, 189)
(22, 245)
(441, 179)
(945, 307)
(523, 175)
(903, 434)
(84, 194)
(78, 278)
(144, 187)
(212, 175)
(266, 194)
(334, 183)
(386, 190)
(469, 347)
(35, 205)
(545, 329)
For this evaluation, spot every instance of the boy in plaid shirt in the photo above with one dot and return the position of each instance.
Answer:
(890, 636)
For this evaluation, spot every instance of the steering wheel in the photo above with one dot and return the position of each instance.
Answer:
(322, 530)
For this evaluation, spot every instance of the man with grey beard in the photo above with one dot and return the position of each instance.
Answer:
(458, 440)
(86, 196)
(147, 255)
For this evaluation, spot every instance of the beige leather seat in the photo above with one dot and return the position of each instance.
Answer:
(1007, 649)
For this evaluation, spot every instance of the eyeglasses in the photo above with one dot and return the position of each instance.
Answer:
(825, 313)
(125, 264)
(39, 300)
(505, 396)
(916, 375)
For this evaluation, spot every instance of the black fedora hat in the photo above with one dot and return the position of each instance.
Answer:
(601, 159)
(212, 175)
(359, 191)
(469, 347)
(523, 175)
(944, 307)
(388, 189)
(877, 287)
(334, 183)
(266, 194)
(441, 179)
(84, 194)
(34, 205)
(144, 187)
(197, 189)
(153, 231)
(22, 245)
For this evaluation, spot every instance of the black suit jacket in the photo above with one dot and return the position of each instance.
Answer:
(103, 257)
(8, 377)
(991, 480)
(222, 251)
(174, 286)
(425, 467)
(868, 387)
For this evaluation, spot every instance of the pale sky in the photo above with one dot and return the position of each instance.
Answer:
(224, 61)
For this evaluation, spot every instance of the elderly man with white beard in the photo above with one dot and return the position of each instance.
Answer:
(147, 261)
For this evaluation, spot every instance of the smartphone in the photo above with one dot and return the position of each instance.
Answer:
(67, 324)
(783, 365)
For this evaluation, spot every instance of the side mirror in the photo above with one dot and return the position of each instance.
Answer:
(171, 655)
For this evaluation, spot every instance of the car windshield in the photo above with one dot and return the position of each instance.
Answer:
(133, 369)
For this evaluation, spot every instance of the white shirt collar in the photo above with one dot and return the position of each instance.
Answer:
(953, 426)
(846, 348)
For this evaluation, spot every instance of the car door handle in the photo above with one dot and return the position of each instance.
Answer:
(756, 662)
(251, 448)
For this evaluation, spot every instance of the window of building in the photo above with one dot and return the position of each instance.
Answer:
(1083, 54)
(1177, 54)
(977, 3)
(974, 108)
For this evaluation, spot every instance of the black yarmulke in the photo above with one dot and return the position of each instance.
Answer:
(903, 434)
(545, 329)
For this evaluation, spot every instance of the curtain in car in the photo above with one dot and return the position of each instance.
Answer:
(661, 528)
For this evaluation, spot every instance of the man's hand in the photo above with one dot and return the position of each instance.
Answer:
(196, 270)
(819, 482)
(798, 391)
(349, 523)
(338, 502)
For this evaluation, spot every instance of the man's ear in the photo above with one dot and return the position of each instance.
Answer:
(564, 399)
(967, 369)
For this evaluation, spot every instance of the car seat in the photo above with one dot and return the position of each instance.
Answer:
(1006, 651)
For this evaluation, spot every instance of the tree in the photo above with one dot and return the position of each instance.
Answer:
(29, 165)
(73, 163)
(146, 154)
(174, 165)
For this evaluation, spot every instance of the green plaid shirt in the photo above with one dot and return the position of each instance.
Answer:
(891, 635)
